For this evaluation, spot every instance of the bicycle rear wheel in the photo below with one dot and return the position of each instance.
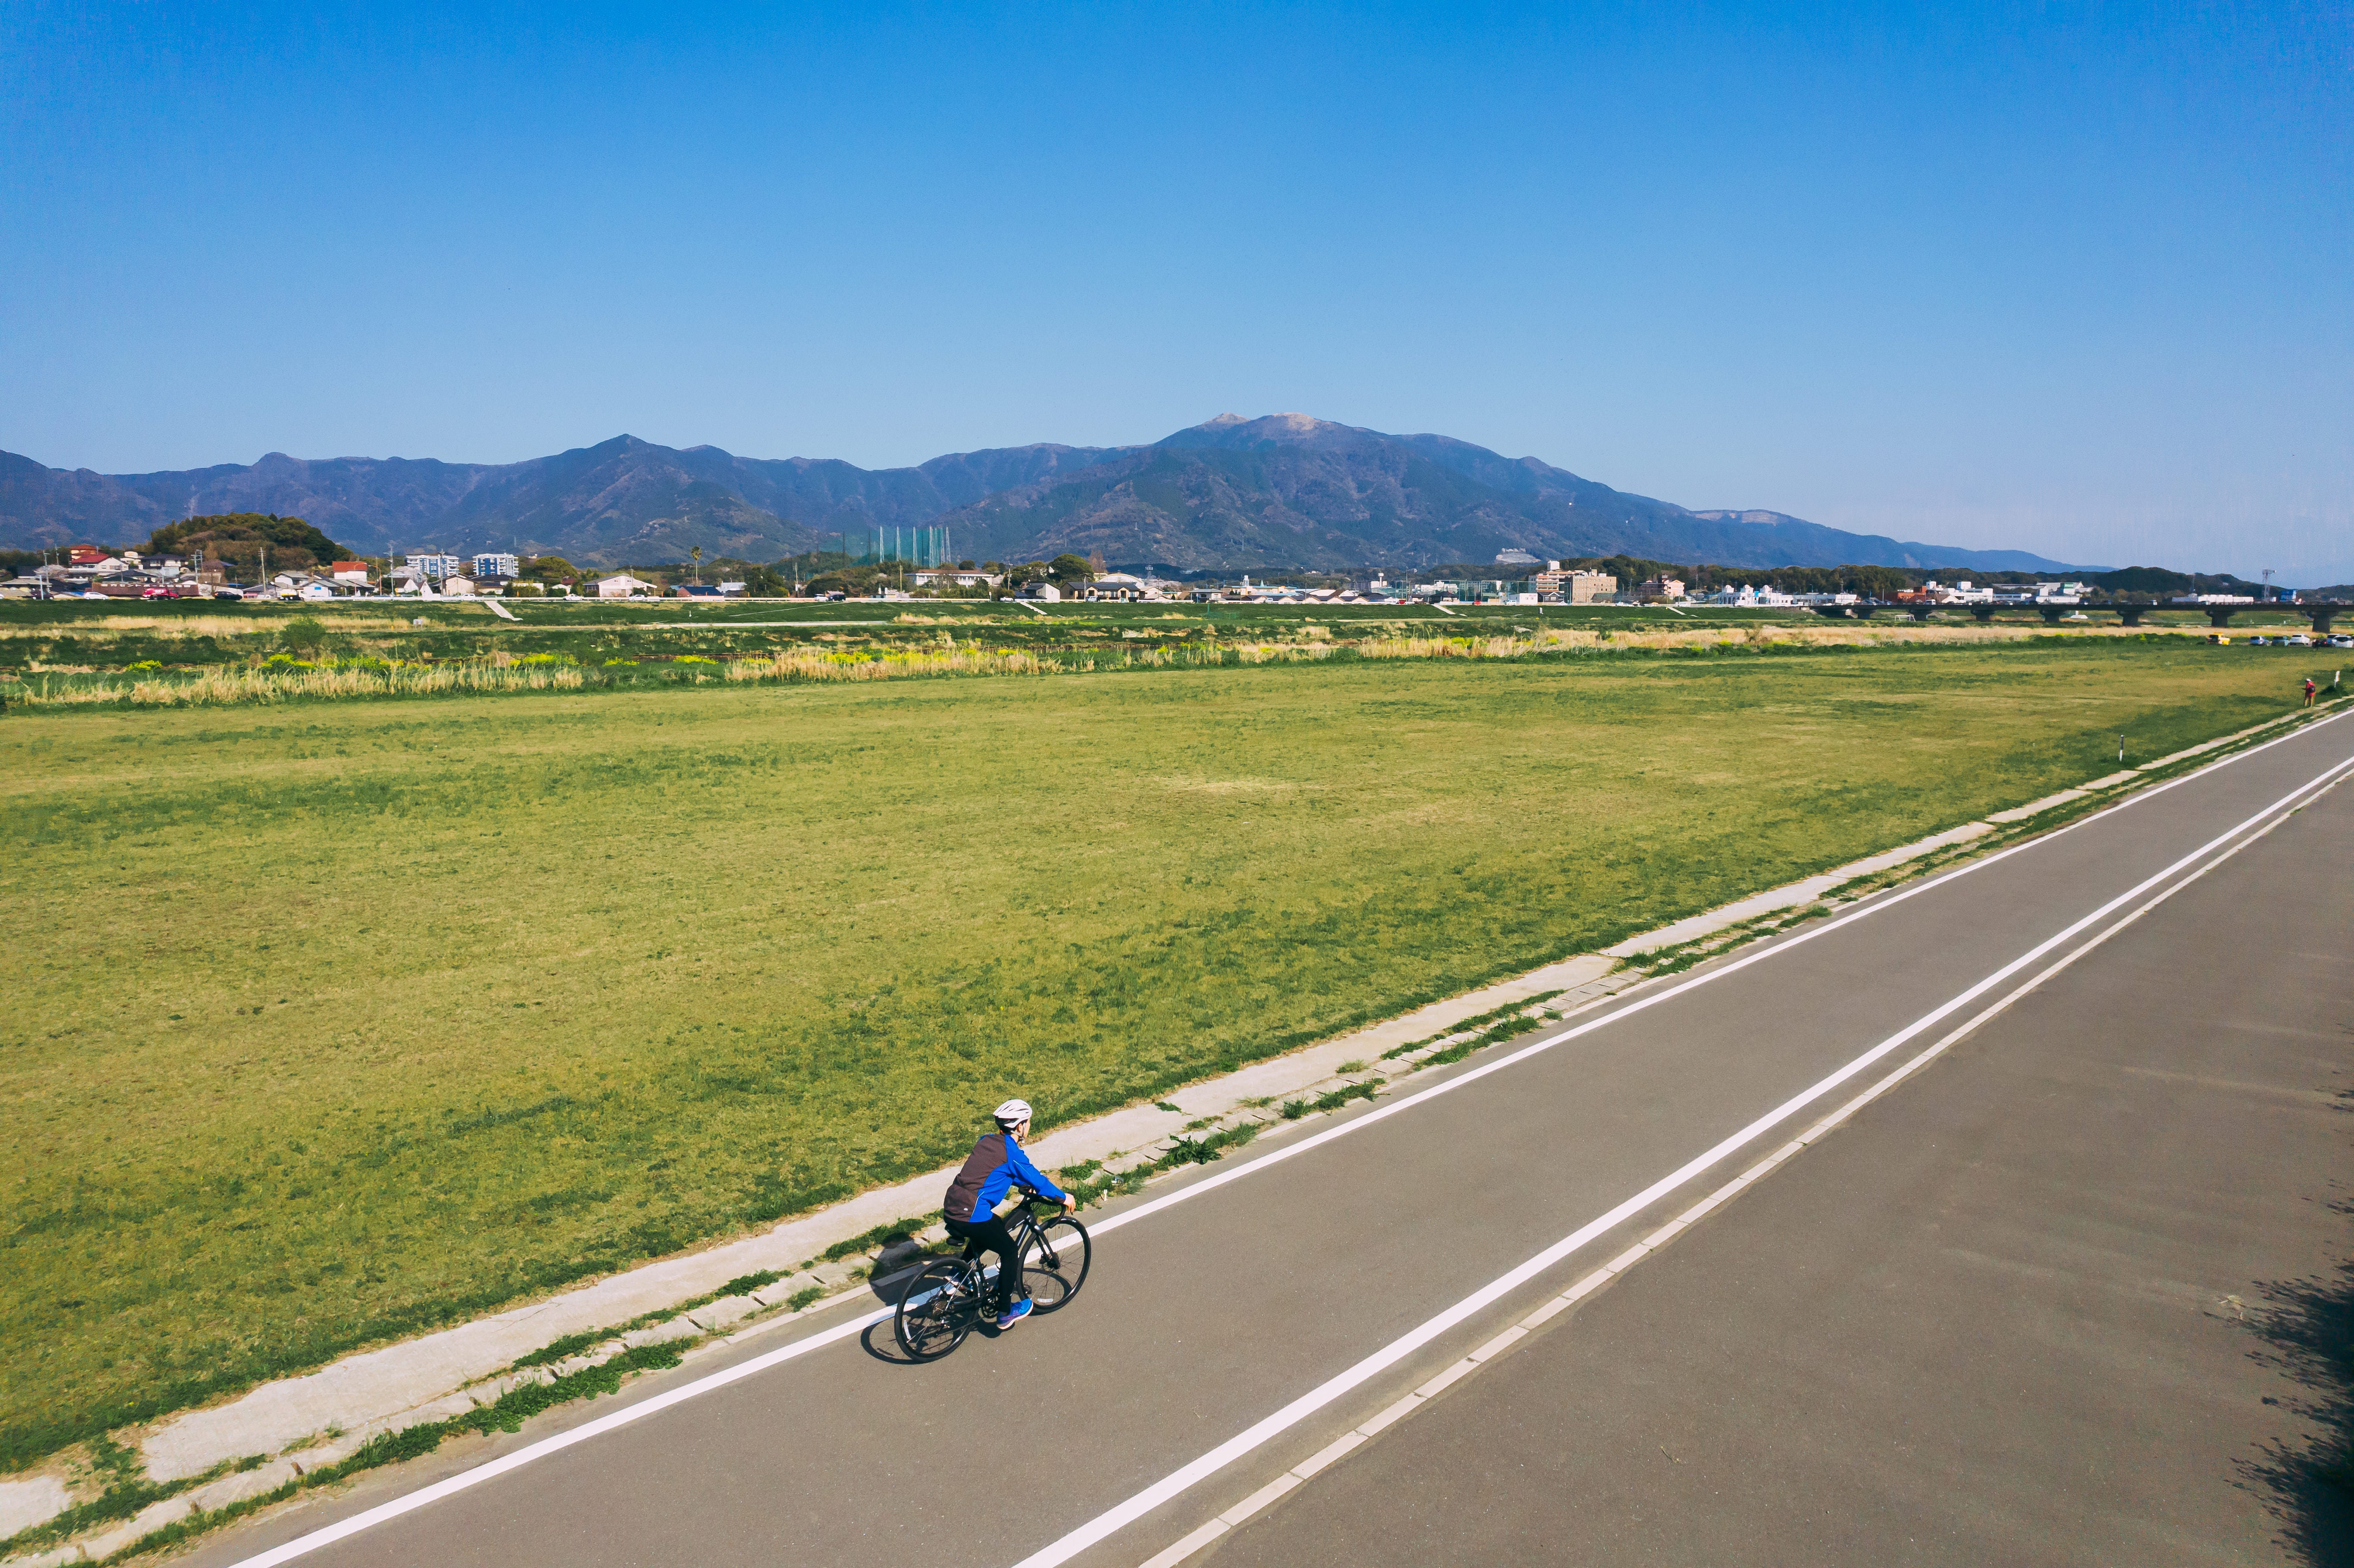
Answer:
(1055, 1260)
(937, 1311)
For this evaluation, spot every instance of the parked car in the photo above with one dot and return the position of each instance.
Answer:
(2297, 640)
(2260, 641)
(2218, 639)
(157, 591)
(2337, 640)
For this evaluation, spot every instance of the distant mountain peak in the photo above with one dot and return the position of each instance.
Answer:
(1268, 430)
(1280, 491)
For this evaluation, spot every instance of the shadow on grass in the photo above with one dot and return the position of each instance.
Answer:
(2308, 1334)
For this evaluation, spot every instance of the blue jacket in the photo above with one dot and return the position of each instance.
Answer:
(995, 1164)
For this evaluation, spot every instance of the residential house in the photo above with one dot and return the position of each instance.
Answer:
(1122, 586)
(1041, 592)
(621, 585)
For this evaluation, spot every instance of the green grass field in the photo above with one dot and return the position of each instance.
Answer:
(332, 1022)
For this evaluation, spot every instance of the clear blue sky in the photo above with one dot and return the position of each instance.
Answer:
(2073, 281)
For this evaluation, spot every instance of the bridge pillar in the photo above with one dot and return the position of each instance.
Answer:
(1921, 611)
(1832, 611)
(1864, 611)
(2130, 614)
(2321, 616)
(1983, 613)
(2219, 616)
(2052, 612)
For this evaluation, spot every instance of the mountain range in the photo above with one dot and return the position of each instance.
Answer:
(1285, 491)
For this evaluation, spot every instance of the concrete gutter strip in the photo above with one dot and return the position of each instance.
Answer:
(405, 1382)
(395, 1383)
(442, 1374)
(2204, 747)
(23, 1504)
(2036, 808)
(1793, 896)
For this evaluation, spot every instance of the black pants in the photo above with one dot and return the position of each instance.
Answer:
(991, 1235)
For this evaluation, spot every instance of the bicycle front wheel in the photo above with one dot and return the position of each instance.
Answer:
(936, 1313)
(1055, 1260)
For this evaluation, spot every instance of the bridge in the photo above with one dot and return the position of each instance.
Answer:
(2321, 614)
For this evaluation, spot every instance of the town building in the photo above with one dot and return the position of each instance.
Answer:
(1748, 597)
(1574, 586)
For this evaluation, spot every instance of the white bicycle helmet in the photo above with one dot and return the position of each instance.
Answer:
(1013, 1113)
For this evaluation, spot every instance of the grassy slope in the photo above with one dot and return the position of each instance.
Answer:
(343, 1020)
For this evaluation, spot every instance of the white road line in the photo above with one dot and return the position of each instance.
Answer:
(450, 1485)
(1241, 1513)
(1397, 1350)
(1654, 999)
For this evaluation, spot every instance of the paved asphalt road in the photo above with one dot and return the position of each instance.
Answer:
(2016, 1311)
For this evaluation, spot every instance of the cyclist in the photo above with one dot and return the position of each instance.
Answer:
(996, 1165)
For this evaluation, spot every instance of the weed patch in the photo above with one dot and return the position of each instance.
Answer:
(1201, 1150)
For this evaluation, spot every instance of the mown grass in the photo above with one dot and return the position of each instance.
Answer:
(336, 1022)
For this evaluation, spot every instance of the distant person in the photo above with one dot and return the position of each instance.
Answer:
(996, 1166)
(2309, 690)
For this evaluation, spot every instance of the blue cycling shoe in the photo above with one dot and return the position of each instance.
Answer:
(1014, 1314)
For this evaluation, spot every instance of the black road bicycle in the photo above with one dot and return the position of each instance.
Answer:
(948, 1297)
